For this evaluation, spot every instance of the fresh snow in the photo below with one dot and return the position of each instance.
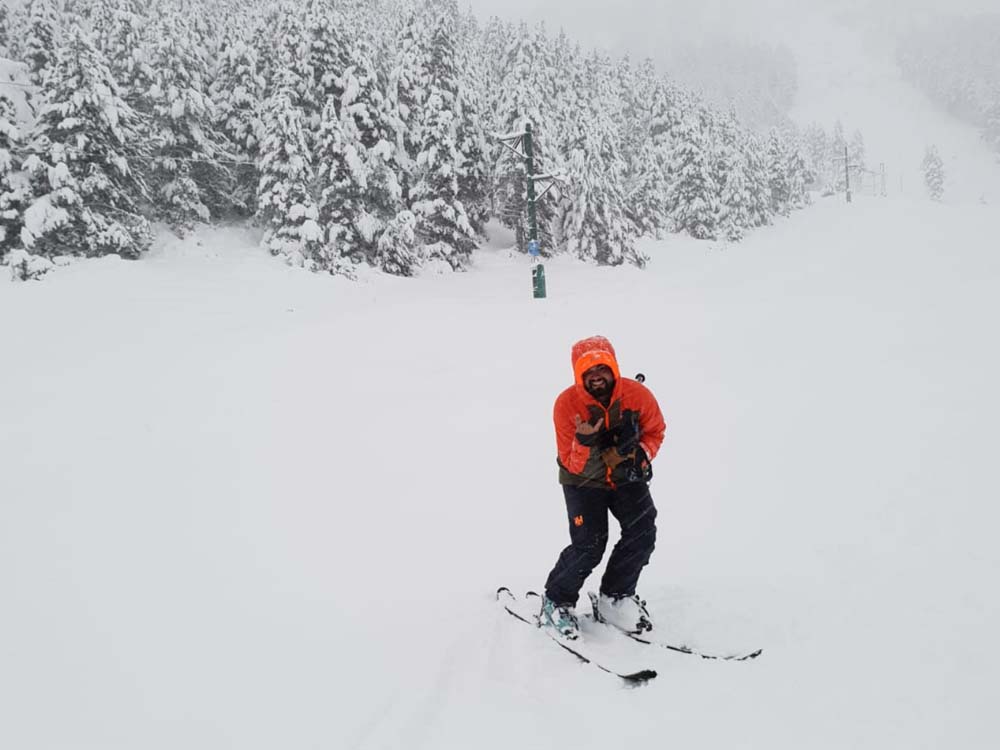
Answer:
(245, 505)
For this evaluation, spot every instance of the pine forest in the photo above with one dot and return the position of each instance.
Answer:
(364, 132)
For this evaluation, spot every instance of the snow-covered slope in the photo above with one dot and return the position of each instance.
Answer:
(246, 506)
(844, 75)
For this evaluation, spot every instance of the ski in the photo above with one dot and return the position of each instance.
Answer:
(507, 600)
(638, 638)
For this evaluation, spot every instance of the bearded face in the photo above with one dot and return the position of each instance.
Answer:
(599, 382)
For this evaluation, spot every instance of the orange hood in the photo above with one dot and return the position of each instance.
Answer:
(590, 352)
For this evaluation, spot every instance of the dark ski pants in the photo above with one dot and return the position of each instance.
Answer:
(588, 508)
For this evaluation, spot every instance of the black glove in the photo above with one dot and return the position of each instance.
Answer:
(626, 439)
(641, 469)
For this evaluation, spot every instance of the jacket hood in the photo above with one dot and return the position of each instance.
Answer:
(592, 351)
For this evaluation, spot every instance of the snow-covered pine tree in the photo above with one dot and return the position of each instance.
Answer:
(856, 151)
(329, 57)
(398, 249)
(442, 223)
(933, 169)
(631, 130)
(84, 142)
(816, 150)
(364, 102)
(777, 172)
(119, 32)
(595, 225)
(646, 161)
(693, 194)
(343, 176)
(285, 203)
(668, 107)
(206, 23)
(407, 92)
(563, 115)
(735, 205)
(473, 168)
(267, 29)
(238, 92)
(497, 34)
(39, 46)
(758, 181)
(467, 34)
(117, 27)
(567, 64)
(799, 176)
(189, 180)
(4, 30)
(472, 140)
(734, 208)
(382, 31)
(13, 192)
(284, 54)
(715, 126)
(364, 85)
(18, 23)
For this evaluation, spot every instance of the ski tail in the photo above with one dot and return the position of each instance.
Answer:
(681, 649)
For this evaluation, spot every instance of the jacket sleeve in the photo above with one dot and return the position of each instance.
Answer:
(572, 455)
(651, 423)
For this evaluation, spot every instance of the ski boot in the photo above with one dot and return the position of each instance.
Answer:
(626, 613)
(560, 617)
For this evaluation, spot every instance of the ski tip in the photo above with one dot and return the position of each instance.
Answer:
(735, 657)
(639, 678)
(504, 591)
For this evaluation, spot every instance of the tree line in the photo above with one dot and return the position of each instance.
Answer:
(361, 131)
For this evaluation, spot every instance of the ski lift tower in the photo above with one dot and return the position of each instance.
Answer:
(513, 142)
(847, 172)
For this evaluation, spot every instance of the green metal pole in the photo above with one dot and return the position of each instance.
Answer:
(538, 272)
(529, 155)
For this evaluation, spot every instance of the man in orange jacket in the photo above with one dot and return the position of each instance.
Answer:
(608, 430)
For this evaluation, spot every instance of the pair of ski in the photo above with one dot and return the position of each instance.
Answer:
(516, 608)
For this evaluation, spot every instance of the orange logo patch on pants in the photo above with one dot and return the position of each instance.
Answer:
(578, 521)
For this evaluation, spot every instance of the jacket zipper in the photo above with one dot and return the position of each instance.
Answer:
(607, 425)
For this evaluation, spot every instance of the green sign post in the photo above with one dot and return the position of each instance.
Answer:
(512, 141)
(534, 249)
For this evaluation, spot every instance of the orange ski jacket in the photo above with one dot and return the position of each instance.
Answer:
(582, 465)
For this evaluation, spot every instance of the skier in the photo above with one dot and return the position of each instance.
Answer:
(608, 429)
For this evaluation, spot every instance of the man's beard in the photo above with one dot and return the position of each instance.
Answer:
(602, 391)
